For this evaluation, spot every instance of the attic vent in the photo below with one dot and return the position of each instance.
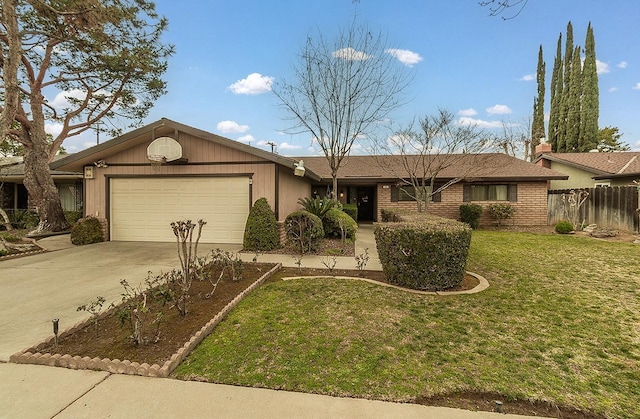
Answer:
(164, 149)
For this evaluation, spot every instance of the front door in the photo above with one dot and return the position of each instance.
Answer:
(366, 198)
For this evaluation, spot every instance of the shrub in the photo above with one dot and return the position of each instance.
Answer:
(426, 253)
(261, 229)
(389, 215)
(470, 214)
(317, 206)
(87, 231)
(73, 216)
(304, 229)
(331, 224)
(22, 219)
(564, 227)
(501, 211)
(351, 210)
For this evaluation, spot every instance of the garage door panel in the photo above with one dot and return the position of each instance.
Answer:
(143, 208)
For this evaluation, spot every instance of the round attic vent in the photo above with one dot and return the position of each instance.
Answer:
(164, 149)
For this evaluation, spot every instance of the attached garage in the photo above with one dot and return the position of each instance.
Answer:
(142, 208)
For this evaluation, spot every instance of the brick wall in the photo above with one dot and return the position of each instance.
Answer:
(531, 205)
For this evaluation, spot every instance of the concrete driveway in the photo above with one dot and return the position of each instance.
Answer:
(36, 289)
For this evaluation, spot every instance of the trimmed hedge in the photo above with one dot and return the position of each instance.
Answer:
(331, 224)
(261, 229)
(304, 229)
(389, 215)
(424, 252)
(470, 214)
(351, 210)
(87, 231)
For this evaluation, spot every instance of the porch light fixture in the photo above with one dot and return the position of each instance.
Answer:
(299, 170)
(88, 172)
(341, 194)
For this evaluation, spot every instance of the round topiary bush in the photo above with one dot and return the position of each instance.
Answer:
(304, 229)
(427, 253)
(87, 231)
(261, 229)
(470, 214)
(564, 227)
(332, 220)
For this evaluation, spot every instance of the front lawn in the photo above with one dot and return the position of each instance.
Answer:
(560, 323)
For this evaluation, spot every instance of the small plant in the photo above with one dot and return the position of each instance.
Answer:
(93, 308)
(501, 211)
(389, 215)
(298, 262)
(317, 206)
(191, 265)
(470, 214)
(11, 238)
(330, 263)
(564, 227)
(137, 312)
(362, 259)
(87, 231)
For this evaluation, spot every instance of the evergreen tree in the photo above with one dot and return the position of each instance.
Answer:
(556, 95)
(574, 104)
(589, 138)
(537, 127)
(566, 91)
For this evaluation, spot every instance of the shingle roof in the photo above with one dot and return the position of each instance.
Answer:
(489, 166)
(618, 163)
(13, 167)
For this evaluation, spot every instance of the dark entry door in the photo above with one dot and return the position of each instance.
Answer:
(366, 198)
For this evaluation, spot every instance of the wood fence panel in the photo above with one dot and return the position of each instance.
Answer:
(615, 207)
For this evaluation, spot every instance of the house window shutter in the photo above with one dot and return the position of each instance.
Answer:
(394, 193)
(466, 193)
(513, 193)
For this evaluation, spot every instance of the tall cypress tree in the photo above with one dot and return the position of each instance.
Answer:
(566, 91)
(590, 96)
(556, 95)
(537, 127)
(574, 104)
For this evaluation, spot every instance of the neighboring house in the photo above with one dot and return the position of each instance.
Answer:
(588, 170)
(141, 181)
(490, 178)
(13, 193)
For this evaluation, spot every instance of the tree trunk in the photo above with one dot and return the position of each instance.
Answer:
(6, 221)
(42, 190)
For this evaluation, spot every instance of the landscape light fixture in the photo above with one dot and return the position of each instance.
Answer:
(299, 170)
(55, 330)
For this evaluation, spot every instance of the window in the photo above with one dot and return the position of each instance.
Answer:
(501, 192)
(406, 193)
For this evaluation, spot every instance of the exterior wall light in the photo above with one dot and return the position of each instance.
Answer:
(299, 170)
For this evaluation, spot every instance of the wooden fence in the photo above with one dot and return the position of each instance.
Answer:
(609, 207)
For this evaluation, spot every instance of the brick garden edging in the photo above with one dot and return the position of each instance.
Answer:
(29, 253)
(127, 367)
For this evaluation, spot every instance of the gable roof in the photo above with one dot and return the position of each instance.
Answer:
(603, 165)
(476, 167)
(159, 128)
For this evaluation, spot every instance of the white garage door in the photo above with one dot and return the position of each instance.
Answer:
(143, 208)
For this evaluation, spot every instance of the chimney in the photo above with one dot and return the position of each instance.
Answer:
(542, 148)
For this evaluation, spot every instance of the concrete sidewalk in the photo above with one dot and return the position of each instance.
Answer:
(34, 288)
(33, 391)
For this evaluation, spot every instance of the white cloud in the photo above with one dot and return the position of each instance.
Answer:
(254, 84)
(468, 112)
(231, 127)
(528, 77)
(350, 54)
(287, 146)
(498, 110)
(613, 89)
(406, 57)
(602, 68)
(53, 129)
(622, 64)
(246, 139)
(61, 100)
(480, 123)
(636, 87)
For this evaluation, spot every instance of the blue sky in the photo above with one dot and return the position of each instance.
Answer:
(228, 52)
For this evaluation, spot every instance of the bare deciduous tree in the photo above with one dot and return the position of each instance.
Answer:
(342, 90)
(498, 7)
(514, 140)
(423, 156)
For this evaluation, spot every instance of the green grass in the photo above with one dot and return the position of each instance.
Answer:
(560, 323)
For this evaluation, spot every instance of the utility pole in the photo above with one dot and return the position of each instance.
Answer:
(272, 144)
(98, 123)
